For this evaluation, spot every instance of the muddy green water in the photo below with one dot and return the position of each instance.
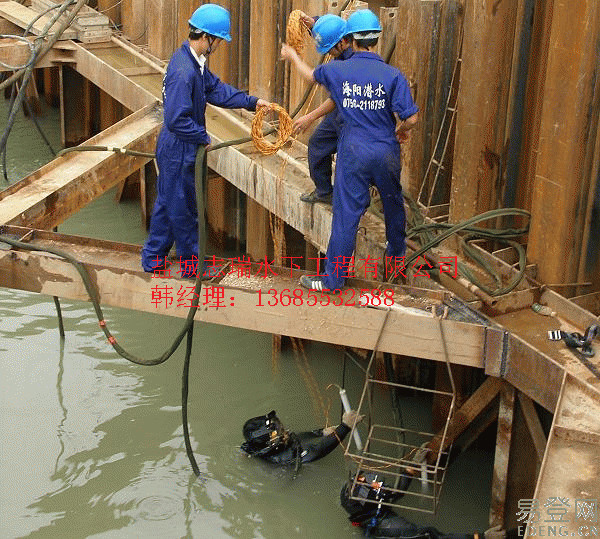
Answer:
(92, 446)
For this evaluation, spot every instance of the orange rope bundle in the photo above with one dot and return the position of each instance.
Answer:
(296, 31)
(283, 135)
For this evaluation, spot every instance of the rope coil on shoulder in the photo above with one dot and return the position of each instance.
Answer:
(283, 134)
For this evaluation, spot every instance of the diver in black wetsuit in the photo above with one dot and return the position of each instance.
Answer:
(267, 438)
(379, 520)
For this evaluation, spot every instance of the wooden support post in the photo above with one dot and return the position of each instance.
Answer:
(218, 209)
(133, 15)
(184, 11)
(52, 86)
(564, 191)
(224, 61)
(533, 425)
(111, 9)
(264, 52)
(503, 440)
(524, 464)
(264, 48)
(485, 88)
(404, 24)
(441, 403)
(111, 111)
(426, 48)
(163, 18)
(258, 237)
(474, 405)
(75, 106)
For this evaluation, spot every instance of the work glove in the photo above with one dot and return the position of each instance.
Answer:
(497, 532)
(349, 417)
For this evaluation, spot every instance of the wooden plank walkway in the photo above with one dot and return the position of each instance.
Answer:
(62, 187)
(248, 304)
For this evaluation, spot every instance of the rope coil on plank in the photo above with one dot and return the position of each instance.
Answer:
(283, 134)
(296, 32)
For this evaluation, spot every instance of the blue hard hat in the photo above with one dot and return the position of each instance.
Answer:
(363, 20)
(327, 31)
(213, 20)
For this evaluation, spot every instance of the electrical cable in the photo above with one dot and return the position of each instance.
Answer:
(39, 51)
(43, 50)
(30, 62)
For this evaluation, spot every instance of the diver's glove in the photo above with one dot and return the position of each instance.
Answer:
(497, 532)
(350, 417)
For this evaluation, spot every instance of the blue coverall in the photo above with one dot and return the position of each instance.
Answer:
(323, 144)
(367, 92)
(186, 90)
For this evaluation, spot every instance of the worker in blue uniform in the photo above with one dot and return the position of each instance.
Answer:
(187, 87)
(329, 32)
(378, 111)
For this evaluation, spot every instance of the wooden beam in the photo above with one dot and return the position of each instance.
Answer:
(589, 302)
(59, 189)
(533, 425)
(529, 329)
(15, 53)
(9, 28)
(93, 64)
(503, 439)
(463, 417)
(115, 268)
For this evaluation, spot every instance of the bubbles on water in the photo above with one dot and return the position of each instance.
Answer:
(159, 507)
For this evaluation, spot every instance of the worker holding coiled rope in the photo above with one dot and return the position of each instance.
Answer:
(187, 88)
(378, 110)
(322, 145)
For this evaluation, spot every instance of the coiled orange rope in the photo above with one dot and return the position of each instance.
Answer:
(296, 31)
(283, 135)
